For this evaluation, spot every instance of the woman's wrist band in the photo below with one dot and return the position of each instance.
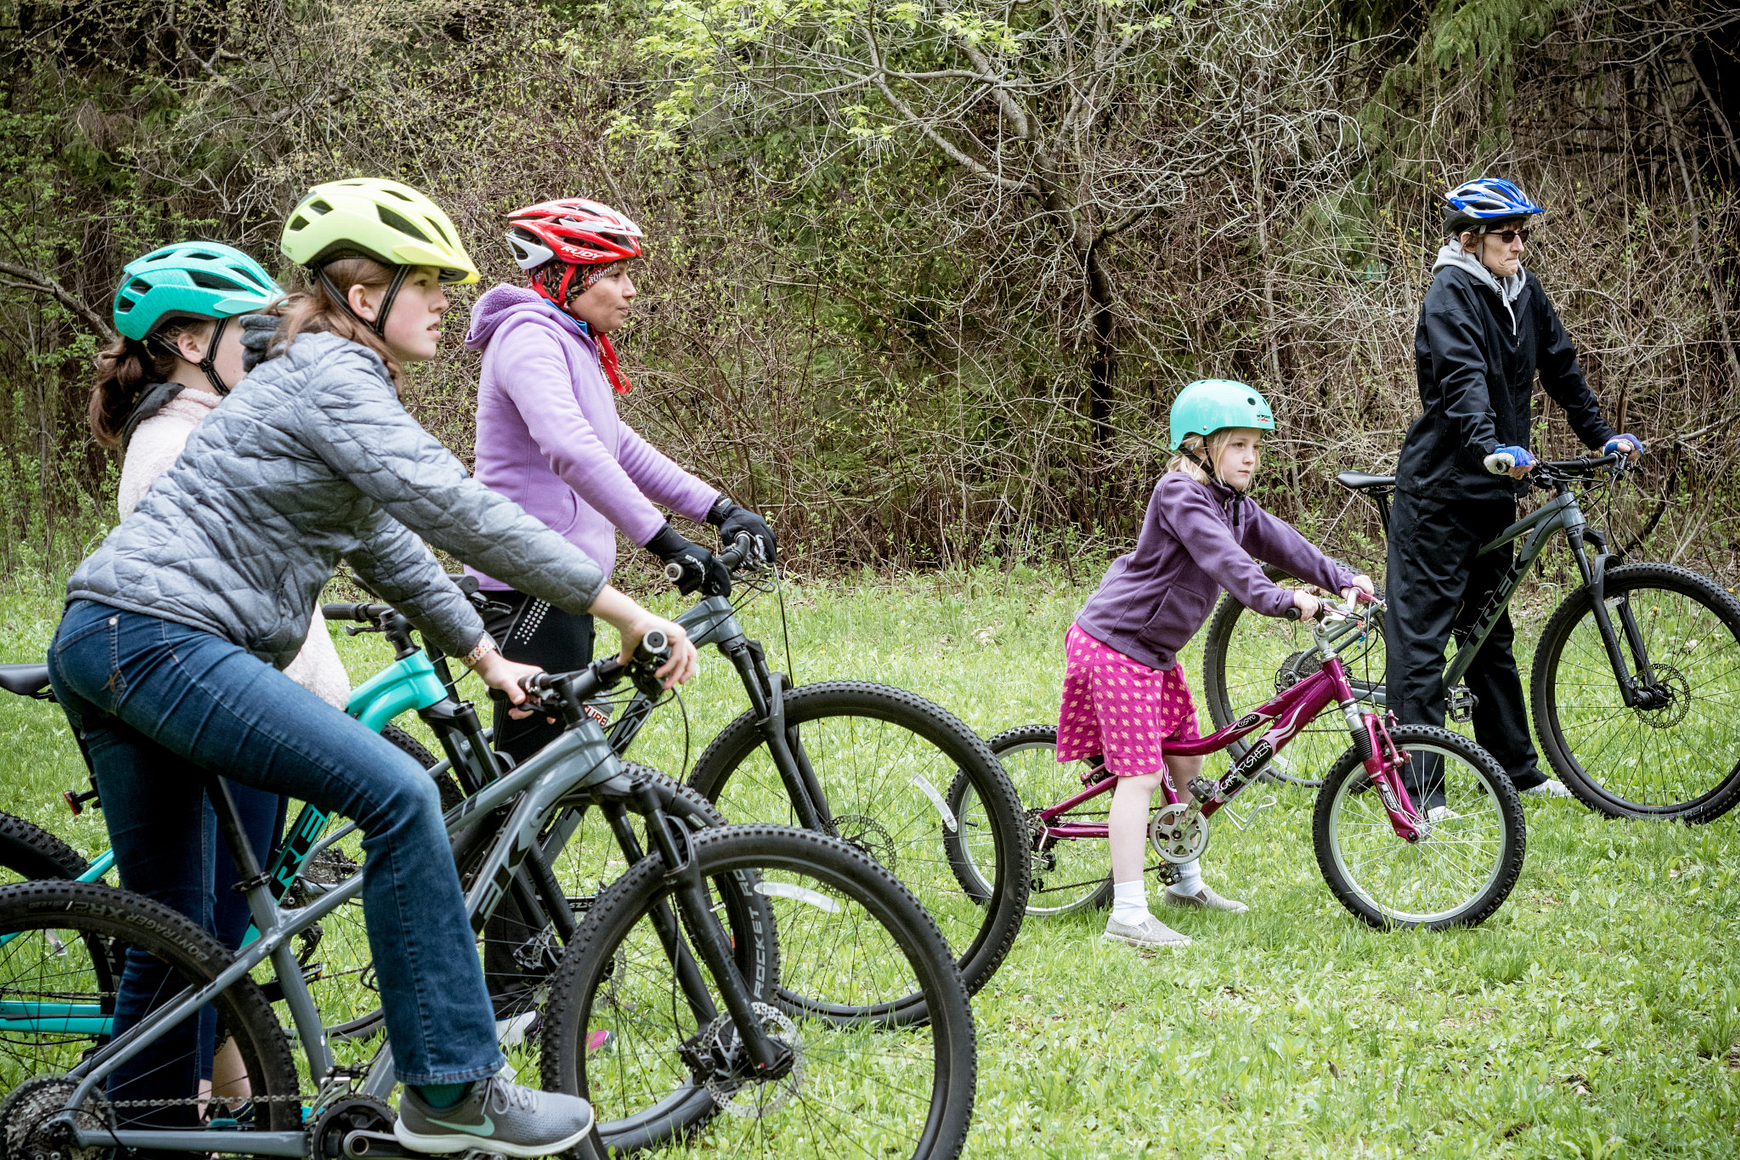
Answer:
(484, 646)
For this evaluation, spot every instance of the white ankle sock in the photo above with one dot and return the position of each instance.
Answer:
(1189, 878)
(1129, 902)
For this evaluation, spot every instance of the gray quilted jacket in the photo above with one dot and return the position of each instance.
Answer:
(312, 460)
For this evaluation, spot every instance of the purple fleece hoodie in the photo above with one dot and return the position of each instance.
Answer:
(548, 436)
(1154, 599)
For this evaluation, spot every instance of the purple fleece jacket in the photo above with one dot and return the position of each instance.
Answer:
(1154, 599)
(548, 436)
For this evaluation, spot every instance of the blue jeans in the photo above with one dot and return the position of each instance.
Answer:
(149, 697)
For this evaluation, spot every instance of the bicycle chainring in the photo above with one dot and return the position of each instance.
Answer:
(862, 832)
(1671, 682)
(346, 1115)
(1172, 839)
(26, 1134)
(739, 1094)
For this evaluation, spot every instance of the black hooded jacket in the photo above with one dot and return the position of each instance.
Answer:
(1476, 367)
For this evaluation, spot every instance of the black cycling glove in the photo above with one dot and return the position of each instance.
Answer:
(701, 568)
(734, 521)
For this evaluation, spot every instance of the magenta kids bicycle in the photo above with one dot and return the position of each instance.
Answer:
(1389, 862)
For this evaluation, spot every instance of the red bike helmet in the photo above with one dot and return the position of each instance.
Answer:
(574, 230)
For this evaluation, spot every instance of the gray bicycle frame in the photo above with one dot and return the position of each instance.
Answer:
(1559, 514)
(580, 759)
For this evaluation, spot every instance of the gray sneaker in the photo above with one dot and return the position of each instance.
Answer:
(1550, 788)
(1204, 898)
(1150, 932)
(497, 1116)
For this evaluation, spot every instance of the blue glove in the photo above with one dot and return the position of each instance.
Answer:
(1617, 444)
(1505, 457)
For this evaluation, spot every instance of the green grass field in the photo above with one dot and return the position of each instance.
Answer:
(1597, 1014)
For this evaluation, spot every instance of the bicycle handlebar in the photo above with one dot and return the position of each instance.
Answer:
(742, 551)
(567, 693)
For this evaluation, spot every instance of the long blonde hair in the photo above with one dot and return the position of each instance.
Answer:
(1195, 448)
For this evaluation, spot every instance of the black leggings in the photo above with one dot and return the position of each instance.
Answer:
(536, 633)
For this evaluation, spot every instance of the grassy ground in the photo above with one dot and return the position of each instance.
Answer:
(1598, 1014)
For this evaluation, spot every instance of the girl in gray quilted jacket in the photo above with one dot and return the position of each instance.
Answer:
(177, 628)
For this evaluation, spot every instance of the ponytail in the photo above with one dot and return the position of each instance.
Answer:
(315, 309)
(126, 369)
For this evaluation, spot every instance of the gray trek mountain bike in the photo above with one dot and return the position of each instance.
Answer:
(1635, 688)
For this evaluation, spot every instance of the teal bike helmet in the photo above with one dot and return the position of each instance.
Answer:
(192, 280)
(1208, 405)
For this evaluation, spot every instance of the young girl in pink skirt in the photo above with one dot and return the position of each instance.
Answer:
(1124, 696)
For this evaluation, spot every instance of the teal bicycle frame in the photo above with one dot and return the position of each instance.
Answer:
(410, 683)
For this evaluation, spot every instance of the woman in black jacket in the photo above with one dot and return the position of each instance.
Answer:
(1485, 331)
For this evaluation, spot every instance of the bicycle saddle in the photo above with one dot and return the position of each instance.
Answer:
(25, 680)
(1360, 481)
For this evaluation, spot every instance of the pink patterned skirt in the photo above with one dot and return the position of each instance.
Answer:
(1120, 707)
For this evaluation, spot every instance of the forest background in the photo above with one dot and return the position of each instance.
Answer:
(922, 277)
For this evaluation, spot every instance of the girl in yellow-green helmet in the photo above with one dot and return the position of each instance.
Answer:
(197, 601)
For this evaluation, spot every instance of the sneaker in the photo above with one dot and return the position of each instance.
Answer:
(497, 1116)
(1441, 814)
(1203, 898)
(1150, 932)
(1550, 788)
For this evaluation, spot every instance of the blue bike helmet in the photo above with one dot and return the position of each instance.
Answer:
(1486, 200)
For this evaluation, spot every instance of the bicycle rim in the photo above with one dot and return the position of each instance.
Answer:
(1677, 758)
(59, 1000)
(1064, 874)
(1457, 875)
(885, 759)
(621, 1031)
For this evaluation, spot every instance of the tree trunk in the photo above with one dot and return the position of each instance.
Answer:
(1105, 356)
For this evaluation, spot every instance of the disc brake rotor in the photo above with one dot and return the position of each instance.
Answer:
(1672, 683)
(869, 835)
(748, 1098)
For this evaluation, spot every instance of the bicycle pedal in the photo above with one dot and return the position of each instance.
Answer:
(362, 1145)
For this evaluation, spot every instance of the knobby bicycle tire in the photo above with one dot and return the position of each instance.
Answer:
(904, 827)
(99, 915)
(1448, 878)
(28, 851)
(871, 933)
(1066, 874)
(1680, 760)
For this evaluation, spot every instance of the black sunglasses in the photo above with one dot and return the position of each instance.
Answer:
(1507, 236)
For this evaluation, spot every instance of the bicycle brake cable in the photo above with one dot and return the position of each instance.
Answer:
(784, 629)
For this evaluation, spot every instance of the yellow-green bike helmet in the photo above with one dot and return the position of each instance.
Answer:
(373, 217)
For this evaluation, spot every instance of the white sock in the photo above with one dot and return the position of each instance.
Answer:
(1129, 902)
(1189, 878)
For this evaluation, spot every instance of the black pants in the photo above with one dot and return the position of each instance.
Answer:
(536, 633)
(1437, 587)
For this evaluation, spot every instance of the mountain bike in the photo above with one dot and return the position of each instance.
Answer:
(755, 971)
(1388, 861)
(1636, 679)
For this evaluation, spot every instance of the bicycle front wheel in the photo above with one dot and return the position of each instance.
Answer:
(1247, 658)
(61, 959)
(658, 1060)
(885, 758)
(1064, 874)
(1677, 754)
(1458, 873)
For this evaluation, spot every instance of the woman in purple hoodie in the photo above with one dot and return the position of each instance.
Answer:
(1124, 696)
(549, 438)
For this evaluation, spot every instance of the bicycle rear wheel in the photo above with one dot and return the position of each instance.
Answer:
(27, 852)
(58, 993)
(853, 943)
(1248, 658)
(885, 759)
(1676, 757)
(1458, 874)
(1064, 874)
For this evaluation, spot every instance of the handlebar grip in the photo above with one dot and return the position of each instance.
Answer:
(734, 556)
(674, 572)
(1293, 613)
(654, 647)
(361, 612)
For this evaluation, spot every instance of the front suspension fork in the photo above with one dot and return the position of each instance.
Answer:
(767, 698)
